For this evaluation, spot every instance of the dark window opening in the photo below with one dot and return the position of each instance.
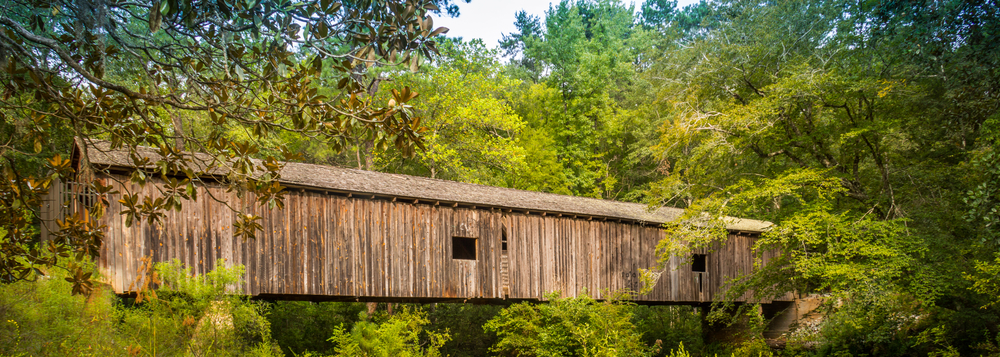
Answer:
(698, 263)
(463, 248)
(503, 238)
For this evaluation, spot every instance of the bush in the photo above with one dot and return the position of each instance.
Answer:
(577, 326)
(42, 318)
(464, 323)
(302, 326)
(192, 316)
(197, 315)
(400, 335)
(669, 326)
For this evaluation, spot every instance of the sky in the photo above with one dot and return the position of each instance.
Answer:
(490, 19)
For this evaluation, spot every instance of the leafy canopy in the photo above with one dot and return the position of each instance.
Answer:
(217, 77)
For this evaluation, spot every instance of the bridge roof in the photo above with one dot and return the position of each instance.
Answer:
(346, 180)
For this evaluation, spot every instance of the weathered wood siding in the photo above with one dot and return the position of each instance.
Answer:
(329, 245)
(576, 256)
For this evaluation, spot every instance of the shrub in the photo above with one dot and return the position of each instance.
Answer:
(42, 318)
(400, 335)
(302, 326)
(577, 326)
(192, 316)
(197, 315)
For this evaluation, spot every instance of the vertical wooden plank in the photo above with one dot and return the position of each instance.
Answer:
(281, 251)
(313, 266)
(374, 239)
(328, 243)
(447, 264)
(362, 227)
(267, 249)
(333, 243)
(350, 250)
(115, 234)
(389, 282)
(422, 257)
(380, 248)
(435, 251)
(295, 238)
(538, 233)
(576, 260)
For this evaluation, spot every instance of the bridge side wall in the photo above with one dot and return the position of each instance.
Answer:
(330, 245)
(319, 244)
(576, 256)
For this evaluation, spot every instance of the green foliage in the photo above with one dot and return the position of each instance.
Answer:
(400, 334)
(174, 76)
(984, 197)
(583, 92)
(42, 318)
(471, 130)
(986, 280)
(668, 326)
(679, 352)
(300, 326)
(577, 326)
(464, 323)
(851, 127)
(194, 316)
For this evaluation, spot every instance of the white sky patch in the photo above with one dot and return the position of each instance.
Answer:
(490, 19)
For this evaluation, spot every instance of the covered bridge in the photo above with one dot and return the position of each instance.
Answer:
(348, 234)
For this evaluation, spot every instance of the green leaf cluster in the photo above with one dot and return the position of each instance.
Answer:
(577, 326)
(401, 334)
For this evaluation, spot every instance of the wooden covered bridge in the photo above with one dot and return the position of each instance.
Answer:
(356, 235)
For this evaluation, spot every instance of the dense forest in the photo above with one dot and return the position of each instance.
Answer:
(865, 131)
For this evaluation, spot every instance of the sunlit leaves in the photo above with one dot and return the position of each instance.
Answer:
(162, 79)
(471, 131)
(790, 112)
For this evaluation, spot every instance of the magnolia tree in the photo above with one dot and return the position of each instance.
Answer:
(182, 76)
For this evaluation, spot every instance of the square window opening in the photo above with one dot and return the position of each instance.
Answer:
(698, 263)
(463, 248)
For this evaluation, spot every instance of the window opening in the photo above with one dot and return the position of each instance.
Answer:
(463, 248)
(698, 263)
(78, 196)
(503, 238)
